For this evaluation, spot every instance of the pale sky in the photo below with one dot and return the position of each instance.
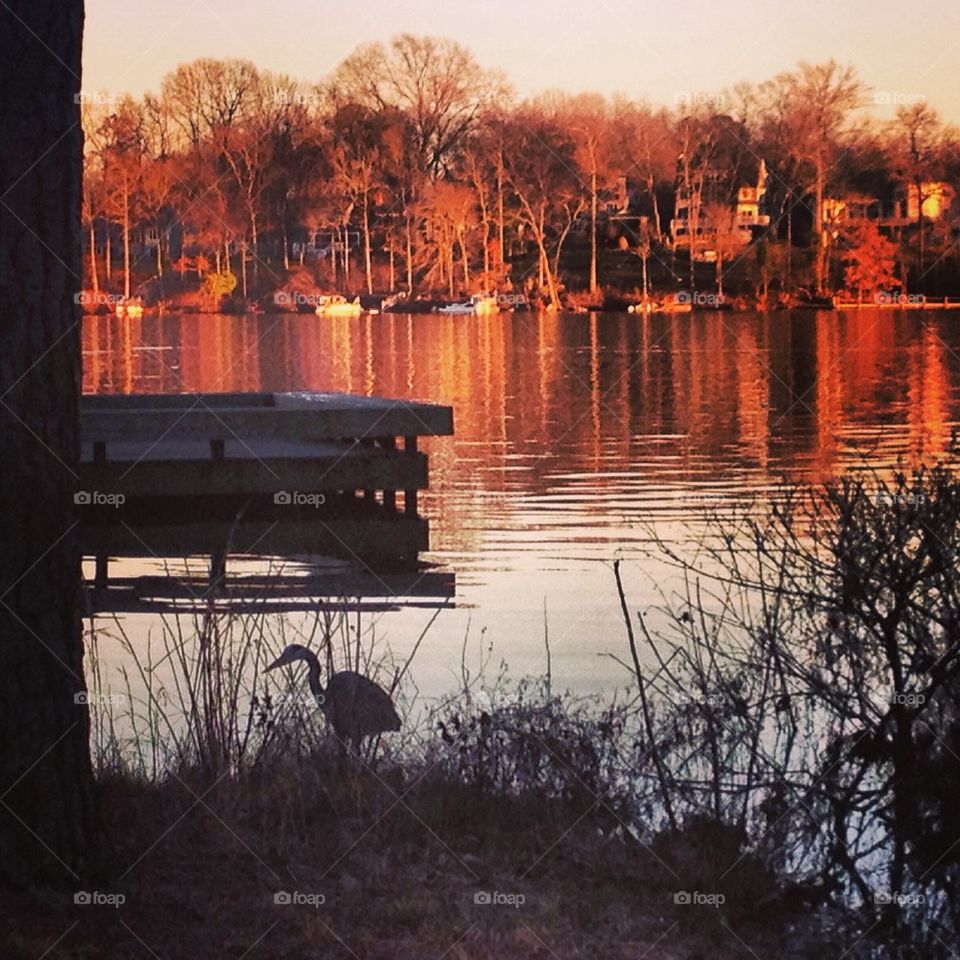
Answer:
(660, 50)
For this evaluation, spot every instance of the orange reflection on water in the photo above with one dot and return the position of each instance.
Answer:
(570, 428)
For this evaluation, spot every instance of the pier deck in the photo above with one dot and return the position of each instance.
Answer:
(265, 474)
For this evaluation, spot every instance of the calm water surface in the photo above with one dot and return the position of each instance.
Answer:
(575, 435)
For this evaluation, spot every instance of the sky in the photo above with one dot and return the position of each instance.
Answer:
(662, 51)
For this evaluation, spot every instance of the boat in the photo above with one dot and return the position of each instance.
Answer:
(479, 304)
(463, 307)
(338, 306)
(130, 308)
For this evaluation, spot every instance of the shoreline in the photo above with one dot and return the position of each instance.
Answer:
(573, 311)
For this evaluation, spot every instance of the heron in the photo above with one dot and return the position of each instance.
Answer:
(354, 705)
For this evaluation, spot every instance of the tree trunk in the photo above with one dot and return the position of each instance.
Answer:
(409, 257)
(466, 259)
(50, 830)
(94, 279)
(500, 220)
(920, 238)
(819, 227)
(126, 242)
(789, 279)
(485, 231)
(255, 242)
(367, 256)
(656, 209)
(593, 232)
(449, 244)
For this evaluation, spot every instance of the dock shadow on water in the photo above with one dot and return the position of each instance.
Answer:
(780, 771)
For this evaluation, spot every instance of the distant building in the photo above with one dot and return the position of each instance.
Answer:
(695, 214)
(900, 209)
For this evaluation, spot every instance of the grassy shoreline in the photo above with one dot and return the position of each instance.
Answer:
(782, 782)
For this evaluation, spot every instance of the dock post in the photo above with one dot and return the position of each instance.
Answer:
(218, 570)
(410, 496)
(101, 575)
(389, 496)
(368, 494)
(99, 451)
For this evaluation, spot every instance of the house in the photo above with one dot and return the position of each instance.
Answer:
(696, 213)
(901, 208)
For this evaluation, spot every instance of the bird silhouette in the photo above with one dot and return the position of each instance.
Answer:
(353, 704)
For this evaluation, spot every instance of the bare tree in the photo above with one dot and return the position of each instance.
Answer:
(540, 170)
(819, 100)
(436, 82)
(918, 138)
(589, 119)
(124, 156)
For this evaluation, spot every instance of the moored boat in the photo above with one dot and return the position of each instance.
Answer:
(463, 307)
(130, 308)
(479, 304)
(338, 306)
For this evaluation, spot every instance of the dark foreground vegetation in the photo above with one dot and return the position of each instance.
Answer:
(780, 779)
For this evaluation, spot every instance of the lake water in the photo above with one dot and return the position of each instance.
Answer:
(575, 436)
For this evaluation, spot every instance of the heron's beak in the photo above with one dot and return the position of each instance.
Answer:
(279, 662)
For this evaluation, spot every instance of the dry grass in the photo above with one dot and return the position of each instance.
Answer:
(398, 853)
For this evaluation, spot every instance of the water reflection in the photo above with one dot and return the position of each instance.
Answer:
(573, 432)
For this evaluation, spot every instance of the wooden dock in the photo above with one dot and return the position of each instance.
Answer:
(897, 303)
(267, 475)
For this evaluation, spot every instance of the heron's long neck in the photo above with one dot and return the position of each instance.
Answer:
(314, 664)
